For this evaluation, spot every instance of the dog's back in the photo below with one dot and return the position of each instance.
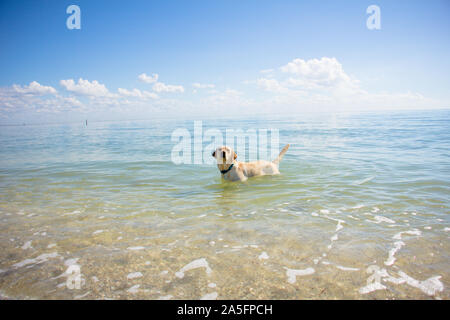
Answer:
(262, 167)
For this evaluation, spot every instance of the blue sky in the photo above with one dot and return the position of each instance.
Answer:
(227, 56)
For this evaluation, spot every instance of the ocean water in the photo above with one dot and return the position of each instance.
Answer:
(359, 211)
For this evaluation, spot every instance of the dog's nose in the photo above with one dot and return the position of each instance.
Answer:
(223, 154)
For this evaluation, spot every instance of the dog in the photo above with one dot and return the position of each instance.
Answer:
(233, 170)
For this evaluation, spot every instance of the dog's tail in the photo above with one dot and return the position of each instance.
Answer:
(280, 156)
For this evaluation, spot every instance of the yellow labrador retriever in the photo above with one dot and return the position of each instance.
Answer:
(235, 170)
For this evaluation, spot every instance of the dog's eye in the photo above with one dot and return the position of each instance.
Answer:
(214, 154)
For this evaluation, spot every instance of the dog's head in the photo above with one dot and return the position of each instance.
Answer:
(224, 155)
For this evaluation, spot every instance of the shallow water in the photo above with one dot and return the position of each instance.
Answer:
(360, 211)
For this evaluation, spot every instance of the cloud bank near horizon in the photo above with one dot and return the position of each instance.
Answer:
(299, 85)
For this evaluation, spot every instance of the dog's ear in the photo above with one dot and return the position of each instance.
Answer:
(214, 154)
(235, 156)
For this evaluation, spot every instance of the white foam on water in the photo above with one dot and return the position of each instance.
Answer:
(134, 289)
(314, 214)
(326, 263)
(334, 238)
(147, 263)
(168, 297)
(339, 225)
(324, 211)
(199, 263)
(162, 273)
(359, 206)
(347, 268)
(363, 181)
(97, 232)
(70, 262)
(430, 286)
(210, 296)
(134, 275)
(379, 219)
(135, 248)
(212, 285)
(27, 245)
(428, 228)
(391, 259)
(263, 255)
(414, 232)
(378, 274)
(375, 209)
(446, 229)
(95, 279)
(39, 259)
(73, 212)
(371, 287)
(292, 274)
(81, 296)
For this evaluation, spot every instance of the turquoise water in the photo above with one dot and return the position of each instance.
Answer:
(360, 211)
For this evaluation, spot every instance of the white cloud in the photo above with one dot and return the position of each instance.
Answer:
(320, 75)
(271, 85)
(203, 85)
(84, 87)
(34, 88)
(148, 79)
(136, 93)
(315, 84)
(316, 73)
(323, 84)
(35, 97)
(161, 87)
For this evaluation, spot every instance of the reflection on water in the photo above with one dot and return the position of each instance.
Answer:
(360, 211)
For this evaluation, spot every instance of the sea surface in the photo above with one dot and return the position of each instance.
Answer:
(361, 210)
